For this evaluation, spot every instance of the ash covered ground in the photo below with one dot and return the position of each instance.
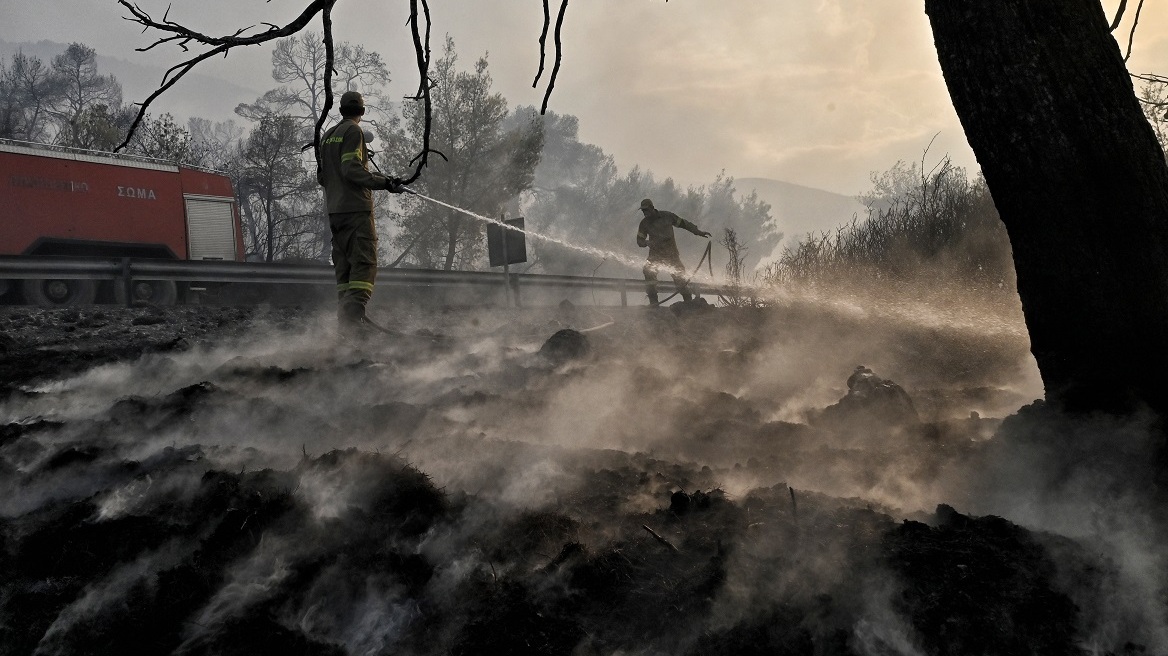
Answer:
(570, 480)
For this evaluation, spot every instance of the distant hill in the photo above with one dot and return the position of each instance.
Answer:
(799, 210)
(195, 95)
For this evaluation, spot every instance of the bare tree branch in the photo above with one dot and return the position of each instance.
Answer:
(1151, 77)
(547, 19)
(422, 52)
(181, 36)
(657, 537)
(1131, 38)
(1118, 15)
(329, 56)
(1132, 35)
(559, 54)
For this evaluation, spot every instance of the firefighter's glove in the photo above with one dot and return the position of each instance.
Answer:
(703, 234)
(395, 185)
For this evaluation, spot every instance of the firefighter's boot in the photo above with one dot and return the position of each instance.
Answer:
(351, 321)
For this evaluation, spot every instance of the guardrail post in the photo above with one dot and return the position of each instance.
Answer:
(127, 282)
(506, 271)
(624, 294)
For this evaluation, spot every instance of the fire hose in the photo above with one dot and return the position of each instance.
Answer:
(706, 257)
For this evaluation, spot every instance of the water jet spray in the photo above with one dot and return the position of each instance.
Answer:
(624, 259)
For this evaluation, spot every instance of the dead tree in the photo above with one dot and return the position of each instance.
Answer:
(1081, 184)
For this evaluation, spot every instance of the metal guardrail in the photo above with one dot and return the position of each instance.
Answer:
(128, 270)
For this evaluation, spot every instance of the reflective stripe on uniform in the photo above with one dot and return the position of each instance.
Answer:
(356, 154)
(358, 284)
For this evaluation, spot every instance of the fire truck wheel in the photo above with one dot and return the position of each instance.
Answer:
(154, 292)
(59, 293)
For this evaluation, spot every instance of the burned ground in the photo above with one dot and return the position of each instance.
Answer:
(567, 481)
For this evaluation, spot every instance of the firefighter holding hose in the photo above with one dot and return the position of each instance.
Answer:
(348, 184)
(656, 232)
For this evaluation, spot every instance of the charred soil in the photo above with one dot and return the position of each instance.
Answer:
(702, 481)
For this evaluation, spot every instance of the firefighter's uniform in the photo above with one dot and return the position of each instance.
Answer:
(656, 232)
(348, 191)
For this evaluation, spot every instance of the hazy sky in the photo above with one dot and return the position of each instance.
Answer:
(815, 92)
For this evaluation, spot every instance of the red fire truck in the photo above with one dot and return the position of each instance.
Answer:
(58, 201)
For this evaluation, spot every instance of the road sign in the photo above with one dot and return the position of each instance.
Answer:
(506, 246)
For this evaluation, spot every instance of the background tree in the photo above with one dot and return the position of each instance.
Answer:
(215, 145)
(98, 127)
(1080, 182)
(89, 106)
(298, 64)
(28, 89)
(11, 107)
(748, 216)
(571, 196)
(485, 166)
(162, 138)
(359, 68)
(276, 194)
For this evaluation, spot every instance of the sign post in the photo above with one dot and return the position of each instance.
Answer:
(506, 266)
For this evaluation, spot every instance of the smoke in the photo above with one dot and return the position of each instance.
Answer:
(451, 476)
(105, 596)
(1094, 479)
(880, 630)
(249, 583)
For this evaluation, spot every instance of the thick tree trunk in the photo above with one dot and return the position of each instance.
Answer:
(1080, 183)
